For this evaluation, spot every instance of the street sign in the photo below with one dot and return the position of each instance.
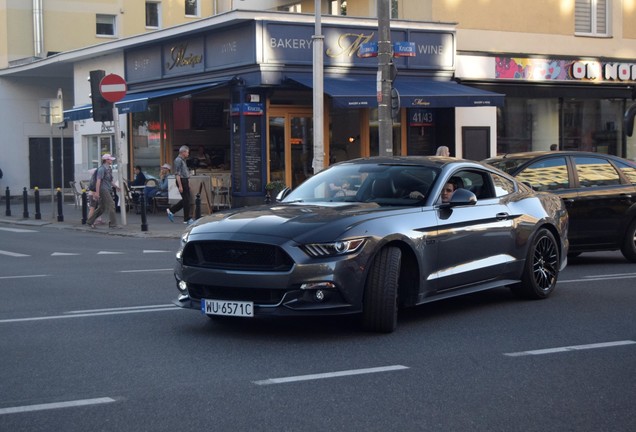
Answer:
(113, 88)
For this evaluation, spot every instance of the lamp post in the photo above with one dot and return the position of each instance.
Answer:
(318, 98)
(385, 121)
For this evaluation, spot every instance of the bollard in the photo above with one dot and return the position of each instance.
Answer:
(38, 215)
(25, 202)
(60, 202)
(7, 197)
(84, 207)
(144, 221)
(197, 207)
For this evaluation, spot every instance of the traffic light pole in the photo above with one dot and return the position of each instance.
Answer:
(385, 120)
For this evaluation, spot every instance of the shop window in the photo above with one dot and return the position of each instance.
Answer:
(96, 146)
(591, 17)
(192, 8)
(105, 25)
(153, 14)
(146, 139)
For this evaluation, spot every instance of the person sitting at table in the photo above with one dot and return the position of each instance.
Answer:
(140, 177)
(162, 189)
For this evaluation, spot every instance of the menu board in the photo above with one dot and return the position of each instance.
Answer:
(253, 154)
(237, 164)
(207, 114)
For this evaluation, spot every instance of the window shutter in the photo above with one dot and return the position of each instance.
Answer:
(583, 16)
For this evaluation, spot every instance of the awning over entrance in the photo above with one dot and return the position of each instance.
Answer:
(361, 92)
(137, 102)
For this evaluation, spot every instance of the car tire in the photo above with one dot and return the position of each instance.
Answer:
(629, 243)
(541, 269)
(381, 292)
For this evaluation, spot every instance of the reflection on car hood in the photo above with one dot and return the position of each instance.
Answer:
(291, 220)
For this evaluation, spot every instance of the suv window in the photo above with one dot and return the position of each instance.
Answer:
(593, 171)
(546, 174)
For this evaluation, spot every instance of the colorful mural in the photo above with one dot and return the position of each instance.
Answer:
(532, 69)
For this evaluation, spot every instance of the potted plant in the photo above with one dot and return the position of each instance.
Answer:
(272, 189)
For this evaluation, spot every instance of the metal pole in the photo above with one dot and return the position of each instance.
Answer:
(120, 166)
(51, 166)
(318, 42)
(385, 121)
(60, 97)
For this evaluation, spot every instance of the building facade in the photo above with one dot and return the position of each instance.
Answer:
(237, 86)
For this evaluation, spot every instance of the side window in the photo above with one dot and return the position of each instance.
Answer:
(594, 171)
(546, 175)
(502, 185)
(628, 171)
(477, 182)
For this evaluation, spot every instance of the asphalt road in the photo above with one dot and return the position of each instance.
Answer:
(89, 340)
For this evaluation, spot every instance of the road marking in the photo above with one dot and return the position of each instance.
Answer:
(145, 270)
(121, 308)
(570, 348)
(601, 278)
(63, 254)
(13, 254)
(56, 405)
(155, 251)
(109, 253)
(17, 230)
(92, 314)
(20, 277)
(329, 375)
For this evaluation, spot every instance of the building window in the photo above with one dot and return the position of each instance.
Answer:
(295, 7)
(192, 8)
(96, 146)
(591, 17)
(105, 25)
(394, 9)
(152, 14)
(338, 7)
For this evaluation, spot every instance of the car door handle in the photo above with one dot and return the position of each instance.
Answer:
(502, 216)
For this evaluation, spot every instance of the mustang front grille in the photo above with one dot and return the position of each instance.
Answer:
(236, 256)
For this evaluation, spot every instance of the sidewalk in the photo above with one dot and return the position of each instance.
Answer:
(157, 225)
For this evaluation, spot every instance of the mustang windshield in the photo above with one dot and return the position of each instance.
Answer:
(380, 183)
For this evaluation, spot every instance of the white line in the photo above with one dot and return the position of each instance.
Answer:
(13, 254)
(20, 277)
(17, 230)
(122, 308)
(570, 348)
(596, 279)
(55, 405)
(109, 253)
(145, 270)
(80, 315)
(63, 254)
(329, 375)
(148, 251)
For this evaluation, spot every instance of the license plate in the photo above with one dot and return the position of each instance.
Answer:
(228, 308)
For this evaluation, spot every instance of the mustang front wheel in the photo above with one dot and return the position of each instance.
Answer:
(381, 291)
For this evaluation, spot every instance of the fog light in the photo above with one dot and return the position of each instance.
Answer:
(320, 295)
(318, 285)
(182, 286)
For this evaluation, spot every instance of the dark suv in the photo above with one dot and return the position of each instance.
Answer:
(599, 192)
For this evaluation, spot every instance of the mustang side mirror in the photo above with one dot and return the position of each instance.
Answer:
(462, 197)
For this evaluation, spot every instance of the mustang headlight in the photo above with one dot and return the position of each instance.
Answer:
(343, 247)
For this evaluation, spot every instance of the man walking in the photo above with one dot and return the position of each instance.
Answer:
(103, 189)
(182, 175)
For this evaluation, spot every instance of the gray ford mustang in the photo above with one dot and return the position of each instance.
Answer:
(370, 236)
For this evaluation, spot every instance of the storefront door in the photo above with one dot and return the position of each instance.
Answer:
(291, 146)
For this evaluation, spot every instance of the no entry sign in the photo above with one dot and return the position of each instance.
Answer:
(113, 88)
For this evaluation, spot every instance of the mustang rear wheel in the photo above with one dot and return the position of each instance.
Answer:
(541, 268)
(381, 291)
(629, 243)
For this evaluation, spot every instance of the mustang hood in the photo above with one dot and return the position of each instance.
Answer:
(289, 220)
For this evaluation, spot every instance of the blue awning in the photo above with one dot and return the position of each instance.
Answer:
(137, 102)
(361, 92)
